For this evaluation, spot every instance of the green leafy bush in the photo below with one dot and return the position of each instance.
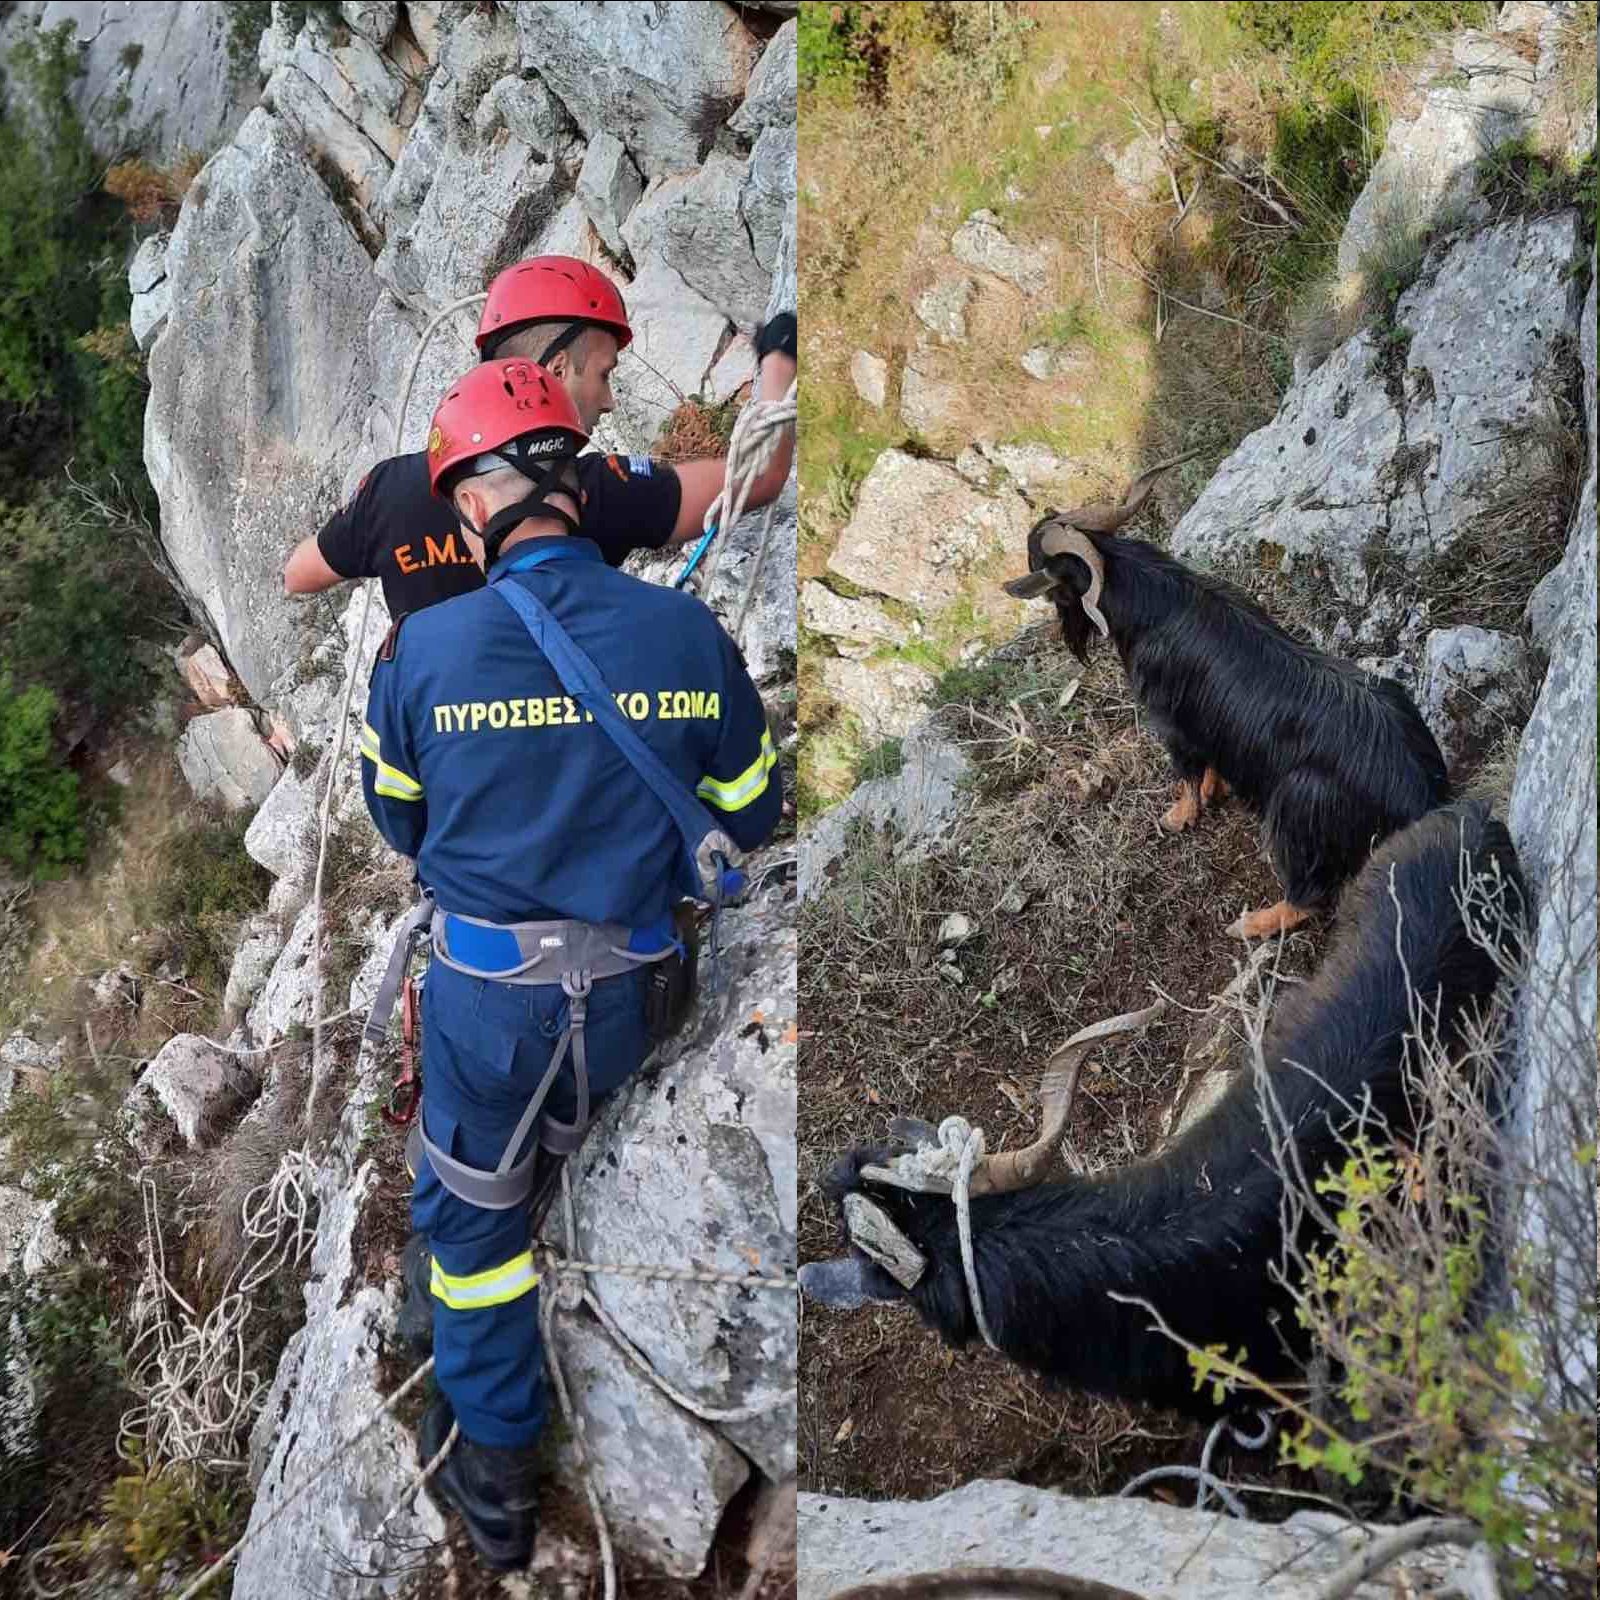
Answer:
(1329, 42)
(825, 46)
(208, 885)
(41, 831)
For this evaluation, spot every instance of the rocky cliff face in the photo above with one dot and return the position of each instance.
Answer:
(397, 156)
(175, 76)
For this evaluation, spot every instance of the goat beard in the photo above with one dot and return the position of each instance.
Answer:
(1076, 629)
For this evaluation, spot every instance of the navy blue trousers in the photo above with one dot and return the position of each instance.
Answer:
(486, 1047)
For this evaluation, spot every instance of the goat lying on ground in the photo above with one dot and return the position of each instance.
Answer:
(1334, 758)
(1196, 1232)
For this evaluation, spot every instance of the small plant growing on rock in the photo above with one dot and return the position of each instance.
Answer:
(151, 193)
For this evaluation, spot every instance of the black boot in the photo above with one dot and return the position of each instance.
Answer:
(492, 1490)
(414, 1326)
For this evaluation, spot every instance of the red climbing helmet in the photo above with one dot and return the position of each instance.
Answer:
(511, 409)
(552, 289)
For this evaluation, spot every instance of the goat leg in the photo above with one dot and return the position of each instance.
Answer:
(1279, 918)
(1186, 809)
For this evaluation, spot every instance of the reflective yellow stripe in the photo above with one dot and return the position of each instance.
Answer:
(492, 1288)
(394, 783)
(736, 793)
(391, 792)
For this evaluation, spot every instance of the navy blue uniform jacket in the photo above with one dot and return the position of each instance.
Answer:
(513, 804)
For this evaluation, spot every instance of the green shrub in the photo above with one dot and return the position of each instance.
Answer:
(1328, 42)
(76, 595)
(40, 828)
(825, 46)
(207, 886)
(855, 44)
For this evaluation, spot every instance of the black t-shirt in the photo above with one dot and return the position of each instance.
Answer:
(394, 528)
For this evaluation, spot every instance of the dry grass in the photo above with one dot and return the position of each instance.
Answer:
(96, 920)
(1079, 902)
(696, 430)
(1575, 85)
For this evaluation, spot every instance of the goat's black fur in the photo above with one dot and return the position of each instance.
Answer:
(1196, 1231)
(1334, 758)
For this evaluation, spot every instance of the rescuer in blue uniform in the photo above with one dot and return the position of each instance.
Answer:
(570, 318)
(519, 809)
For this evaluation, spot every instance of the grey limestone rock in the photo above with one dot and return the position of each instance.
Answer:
(270, 289)
(1482, 93)
(930, 404)
(870, 375)
(694, 1165)
(922, 802)
(1156, 1551)
(642, 72)
(327, 1386)
(224, 758)
(980, 242)
(252, 962)
(1475, 682)
(942, 309)
(277, 833)
(773, 95)
(609, 187)
(886, 696)
(665, 1504)
(170, 64)
(919, 527)
(856, 626)
(192, 1084)
(1392, 450)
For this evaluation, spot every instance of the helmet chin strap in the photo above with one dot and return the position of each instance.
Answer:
(533, 504)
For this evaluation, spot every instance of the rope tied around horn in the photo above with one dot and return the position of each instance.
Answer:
(955, 1161)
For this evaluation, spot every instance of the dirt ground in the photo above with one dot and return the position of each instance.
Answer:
(1081, 906)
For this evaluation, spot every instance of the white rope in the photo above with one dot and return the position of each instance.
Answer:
(198, 1397)
(1202, 1475)
(342, 727)
(752, 446)
(970, 1151)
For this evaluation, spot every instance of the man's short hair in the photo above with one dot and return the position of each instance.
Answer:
(530, 343)
(505, 486)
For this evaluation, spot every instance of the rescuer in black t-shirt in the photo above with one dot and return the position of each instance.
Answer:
(569, 318)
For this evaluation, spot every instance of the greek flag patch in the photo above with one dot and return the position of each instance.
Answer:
(640, 466)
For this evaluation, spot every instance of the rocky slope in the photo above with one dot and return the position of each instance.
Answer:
(1364, 504)
(378, 162)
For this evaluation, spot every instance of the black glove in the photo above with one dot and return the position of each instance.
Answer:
(779, 334)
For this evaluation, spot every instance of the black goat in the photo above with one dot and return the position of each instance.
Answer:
(1195, 1232)
(1334, 758)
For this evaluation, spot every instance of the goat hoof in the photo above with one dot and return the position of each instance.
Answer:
(1180, 815)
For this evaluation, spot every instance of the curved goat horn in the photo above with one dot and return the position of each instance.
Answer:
(1021, 1169)
(1062, 539)
(1108, 519)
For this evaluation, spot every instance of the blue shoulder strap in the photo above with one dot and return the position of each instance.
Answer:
(707, 849)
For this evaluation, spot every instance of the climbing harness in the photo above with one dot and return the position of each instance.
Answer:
(583, 954)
